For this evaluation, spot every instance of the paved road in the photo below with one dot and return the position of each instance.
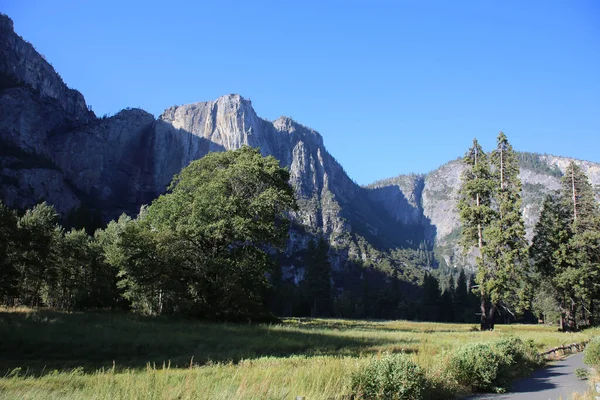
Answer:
(557, 381)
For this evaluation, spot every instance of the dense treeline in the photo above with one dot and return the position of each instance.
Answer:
(41, 264)
(566, 253)
(558, 275)
(208, 248)
(203, 249)
(128, 266)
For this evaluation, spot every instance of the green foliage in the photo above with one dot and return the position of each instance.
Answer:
(38, 236)
(504, 276)
(8, 253)
(517, 358)
(393, 376)
(533, 161)
(318, 278)
(565, 249)
(592, 353)
(475, 202)
(490, 366)
(430, 304)
(475, 365)
(463, 310)
(202, 248)
(490, 211)
(582, 373)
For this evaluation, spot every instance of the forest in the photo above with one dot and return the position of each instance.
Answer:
(212, 248)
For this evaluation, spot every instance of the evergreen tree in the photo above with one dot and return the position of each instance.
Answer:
(549, 254)
(476, 214)
(430, 299)
(566, 250)
(581, 256)
(462, 313)
(474, 300)
(447, 301)
(504, 272)
(318, 278)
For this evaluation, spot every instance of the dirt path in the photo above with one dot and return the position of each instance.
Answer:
(556, 381)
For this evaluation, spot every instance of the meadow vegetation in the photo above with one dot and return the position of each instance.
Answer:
(49, 354)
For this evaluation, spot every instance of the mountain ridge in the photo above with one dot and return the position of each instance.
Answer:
(54, 148)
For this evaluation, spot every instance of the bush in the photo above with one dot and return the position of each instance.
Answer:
(393, 376)
(517, 358)
(490, 366)
(592, 353)
(475, 366)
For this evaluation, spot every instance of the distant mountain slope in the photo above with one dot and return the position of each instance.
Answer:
(431, 199)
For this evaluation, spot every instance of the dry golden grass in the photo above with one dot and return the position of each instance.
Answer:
(70, 355)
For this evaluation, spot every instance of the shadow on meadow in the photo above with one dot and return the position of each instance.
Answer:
(378, 325)
(39, 342)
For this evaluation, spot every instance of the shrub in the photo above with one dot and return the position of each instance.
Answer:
(517, 358)
(582, 373)
(393, 376)
(475, 366)
(491, 365)
(592, 353)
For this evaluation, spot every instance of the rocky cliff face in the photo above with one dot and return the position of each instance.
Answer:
(53, 148)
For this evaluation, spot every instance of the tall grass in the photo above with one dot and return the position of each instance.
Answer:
(122, 356)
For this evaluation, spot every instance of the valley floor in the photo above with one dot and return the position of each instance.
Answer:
(47, 354)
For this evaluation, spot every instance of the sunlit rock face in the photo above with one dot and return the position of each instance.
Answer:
(53, 148)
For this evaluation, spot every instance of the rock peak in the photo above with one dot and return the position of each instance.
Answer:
(6, 23)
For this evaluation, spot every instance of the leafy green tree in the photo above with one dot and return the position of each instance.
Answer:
(38, 236)
(83, 280)
(8, 272)
(216, 226)
(318, 278)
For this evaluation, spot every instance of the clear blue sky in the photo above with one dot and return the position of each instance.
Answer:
(393, 87)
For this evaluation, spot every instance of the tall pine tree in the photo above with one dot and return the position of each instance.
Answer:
(582, 255)
(505, 275)
(489, 208)
(476, 213)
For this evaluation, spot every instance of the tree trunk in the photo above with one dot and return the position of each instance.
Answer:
(574, 194)
(491, 317)
(484, 321)
(487, 316)
(570, 325)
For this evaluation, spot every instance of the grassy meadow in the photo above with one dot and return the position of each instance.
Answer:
(51, 355)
